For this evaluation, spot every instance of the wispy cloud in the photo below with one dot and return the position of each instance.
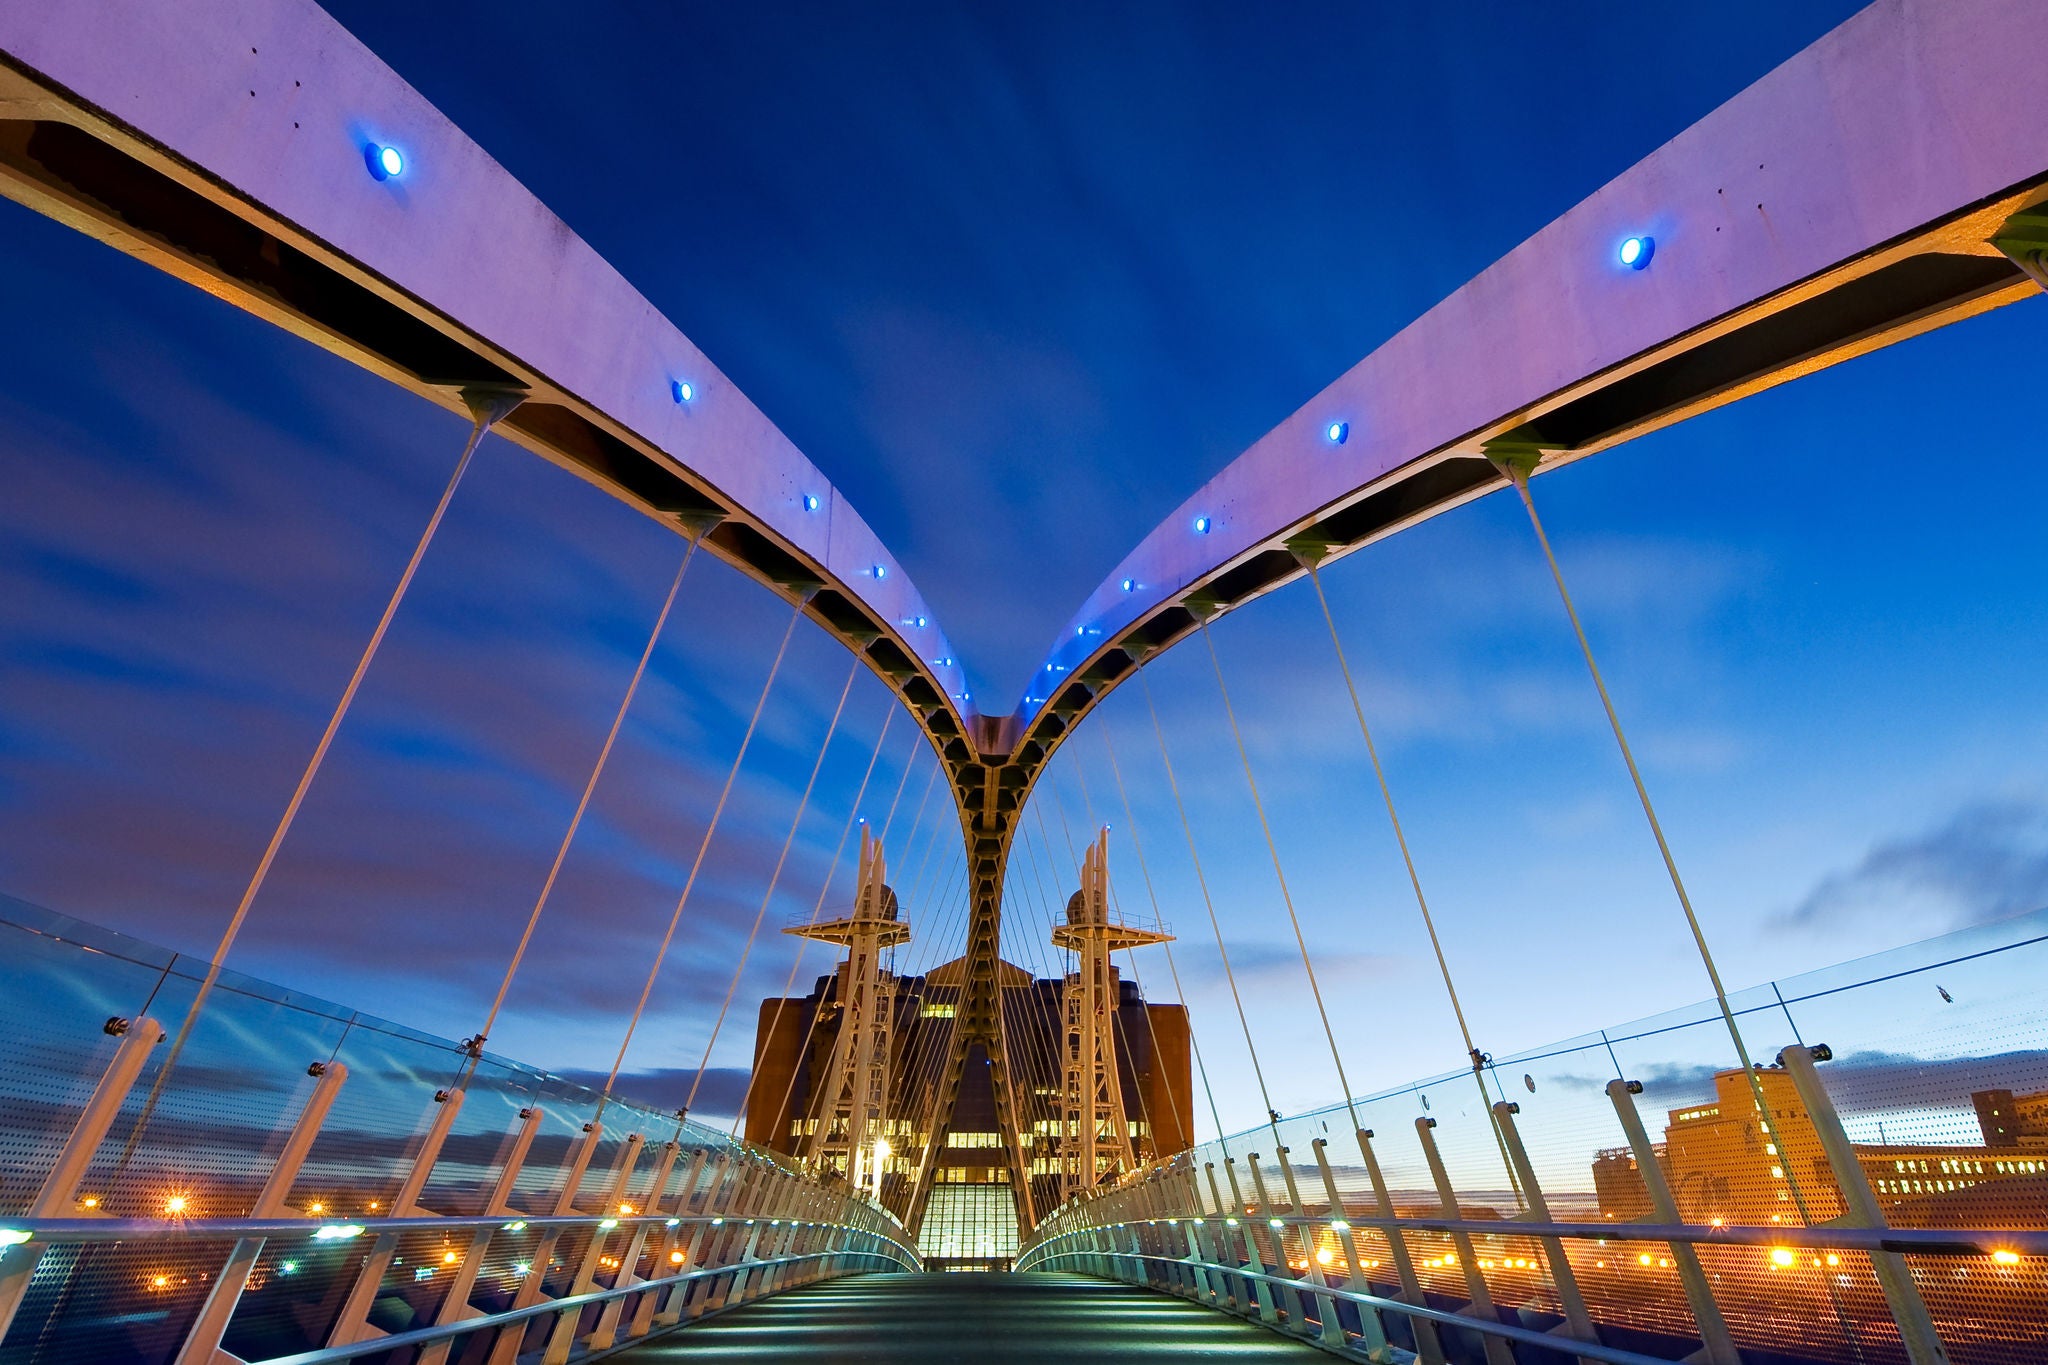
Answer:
(1985, 862)
(1279, 964)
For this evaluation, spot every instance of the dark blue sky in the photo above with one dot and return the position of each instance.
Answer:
(1017, 278)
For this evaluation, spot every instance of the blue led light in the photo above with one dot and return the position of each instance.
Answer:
(810, 502)
(920, 622)
(385, 163)
(682, 390)
(946, 662)
(1129, 585)
(1337, 433)
(1201, 526)
(1635, 252)
(880, 571)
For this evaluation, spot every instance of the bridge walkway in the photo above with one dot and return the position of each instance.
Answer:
(979, 1319)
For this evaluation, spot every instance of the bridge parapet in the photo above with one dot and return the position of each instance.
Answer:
(311, 1183)
(1629, 1203)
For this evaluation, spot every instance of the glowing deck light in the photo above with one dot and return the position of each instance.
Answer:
(682, 390)
(1337, 433)
(1781, 1256)
(13, 1237)
(880, 571)
(945, 662)
(1635, 252)
(385, 163)
(449, 1258)
(672, 1222)
(338, 1232)
(1202, 525)
(519, 1226)
(810, 502)
(917, 622)
(2004, 1257)
(176, 1205)
(608, 1223)
(287, 1267)
(521, 1267)
(1129, 585)
(675, 1258)
(1339, 1225)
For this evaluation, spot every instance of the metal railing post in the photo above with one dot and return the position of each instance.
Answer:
(60, 1187)
(1369, 1326)
(607, 1329)
(1426, 1344)
(1577, 1321)
(353, 1323)
(1717, 1346)
(1497, 1352)
(532, 1289)
(1261, 1292)
(1290, 1297)
(203, 1338)
(455, 1305)
(1909, 1311)
(562, 1340)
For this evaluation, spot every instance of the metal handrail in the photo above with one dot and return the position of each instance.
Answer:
(1549, 1341)
(77, 1231)
(575, 1303)
(1909, 1241)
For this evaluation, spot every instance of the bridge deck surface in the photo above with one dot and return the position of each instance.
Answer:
(983, 1319)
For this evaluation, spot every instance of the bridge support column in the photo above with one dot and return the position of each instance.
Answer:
(1717, 1347)
(1894, 1276)
(1426, 1344)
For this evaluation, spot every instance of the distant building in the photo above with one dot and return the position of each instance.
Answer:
(1723, 1163)
(971, 1216)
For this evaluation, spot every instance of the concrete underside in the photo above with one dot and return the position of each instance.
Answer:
(983, 1319)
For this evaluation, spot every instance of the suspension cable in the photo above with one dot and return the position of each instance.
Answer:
(1479, 1059)
(1138, 848)
(1208, 903)
(703, 847)
(475, 1045)
(774, 878)
(1518, 474)
(1279, 875)
(485, 411)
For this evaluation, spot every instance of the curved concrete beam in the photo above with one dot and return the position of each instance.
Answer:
(225, 142)
(1846, 200)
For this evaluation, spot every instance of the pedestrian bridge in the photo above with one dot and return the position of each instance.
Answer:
(202, 1167)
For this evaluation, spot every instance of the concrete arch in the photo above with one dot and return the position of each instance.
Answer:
(225, 143)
